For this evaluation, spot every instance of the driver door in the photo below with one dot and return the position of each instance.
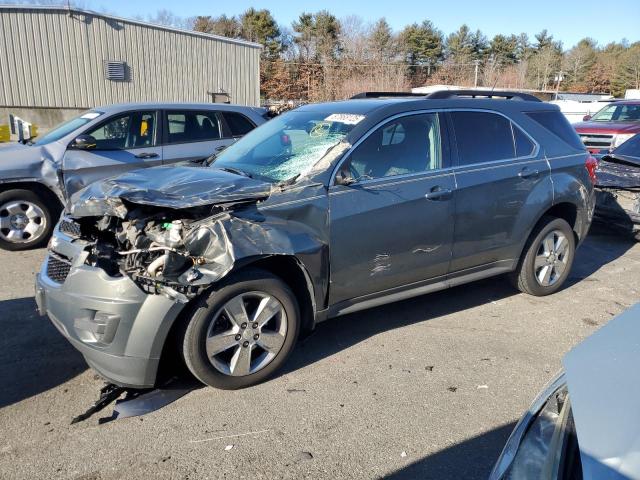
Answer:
(123, 142)
(393, 227)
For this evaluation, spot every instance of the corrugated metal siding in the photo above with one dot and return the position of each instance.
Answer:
(49, 58)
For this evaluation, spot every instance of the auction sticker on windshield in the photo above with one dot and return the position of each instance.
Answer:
(348, 118)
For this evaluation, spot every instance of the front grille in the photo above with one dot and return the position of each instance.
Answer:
(596, 140)
(69, 227)
(57, 268)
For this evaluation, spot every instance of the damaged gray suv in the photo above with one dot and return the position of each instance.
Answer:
(325, 210)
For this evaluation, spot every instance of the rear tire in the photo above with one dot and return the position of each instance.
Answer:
(228, 322)
(26, 219)
(547, 258)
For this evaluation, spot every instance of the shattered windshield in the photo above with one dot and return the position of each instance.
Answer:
(287, 146)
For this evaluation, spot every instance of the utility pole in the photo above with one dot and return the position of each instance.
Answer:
(559, 77)
(475, 81)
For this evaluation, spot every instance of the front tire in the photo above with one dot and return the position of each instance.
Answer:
(26, 221)
(243, 332)
(547, 258)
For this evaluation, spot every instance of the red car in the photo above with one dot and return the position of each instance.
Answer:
(611, 126)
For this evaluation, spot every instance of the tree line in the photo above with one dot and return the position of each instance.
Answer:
(321, 57)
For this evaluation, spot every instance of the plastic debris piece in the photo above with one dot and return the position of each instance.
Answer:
(228, 447)
(108, 394)
(141, 402)
(403, 454)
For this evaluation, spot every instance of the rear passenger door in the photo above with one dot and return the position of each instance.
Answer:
(501, 174)
(392, 227)
(192, 135)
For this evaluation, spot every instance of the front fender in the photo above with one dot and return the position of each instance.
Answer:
(30, 165)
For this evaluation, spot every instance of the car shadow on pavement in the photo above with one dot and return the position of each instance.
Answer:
(34, 357)
(471, 459)
(601, 247)
(341, 333)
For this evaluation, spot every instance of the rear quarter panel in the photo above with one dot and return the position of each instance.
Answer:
(569, 176)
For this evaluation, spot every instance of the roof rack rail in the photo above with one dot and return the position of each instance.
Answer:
(386, 95)
(441, 94)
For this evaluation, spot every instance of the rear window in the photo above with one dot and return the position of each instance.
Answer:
(557, 124)
(238, 124)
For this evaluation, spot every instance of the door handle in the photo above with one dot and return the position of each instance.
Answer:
(439, 193)
(526, 173)
(221, 147)
(147, 155)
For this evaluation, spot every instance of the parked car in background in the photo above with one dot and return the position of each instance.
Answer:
(586, 422)
(576, 111)
(36, 178)
(618, 187)
(611, 126)
(325, 210)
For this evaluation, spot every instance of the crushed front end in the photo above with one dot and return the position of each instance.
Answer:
(114, 286)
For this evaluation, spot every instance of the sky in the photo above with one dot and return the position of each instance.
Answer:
(568, 20)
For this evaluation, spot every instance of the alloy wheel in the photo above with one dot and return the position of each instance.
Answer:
(246, 334)
(21, 221)
(551, 258)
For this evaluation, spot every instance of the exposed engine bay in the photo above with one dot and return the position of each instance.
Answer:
(170, 252)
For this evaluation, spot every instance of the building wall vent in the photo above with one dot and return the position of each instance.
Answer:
(116, 71)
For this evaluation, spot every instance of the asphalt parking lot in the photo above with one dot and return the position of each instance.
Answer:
(429, 387)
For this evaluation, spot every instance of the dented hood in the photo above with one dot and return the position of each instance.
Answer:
(170, 187)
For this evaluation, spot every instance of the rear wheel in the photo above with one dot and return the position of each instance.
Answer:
(26, 221)
(243, 332)
(547, 259)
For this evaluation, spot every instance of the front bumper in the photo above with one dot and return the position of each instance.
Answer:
(119, 329)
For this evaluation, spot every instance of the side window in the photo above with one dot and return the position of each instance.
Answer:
(557, 124)
(482, 137)
(238, 124)
(407, 145)
(132, 130)
(189, 126)
(524, 146)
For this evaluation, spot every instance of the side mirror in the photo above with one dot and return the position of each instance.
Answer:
(84, 142)
(586, 118)
(344, 179)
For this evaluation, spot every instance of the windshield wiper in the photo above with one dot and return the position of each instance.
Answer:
(290, 181)
(236, 171)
